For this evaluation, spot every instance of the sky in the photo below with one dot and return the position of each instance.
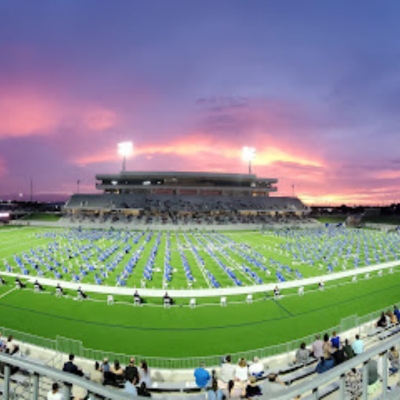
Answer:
(314, 86)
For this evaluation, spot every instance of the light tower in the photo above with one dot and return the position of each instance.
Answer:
(248, 154)
(125, 149)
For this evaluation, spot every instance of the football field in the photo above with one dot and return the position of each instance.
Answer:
(208, 329)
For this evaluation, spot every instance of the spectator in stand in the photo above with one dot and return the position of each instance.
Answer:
(105, 366)
(142, 390)
(392, 317)
(242, 371)
(382, 323)
(396, 312)
(324, 365)
(131, 372)
(54, 393)
(348, 349)
(339, 356)
(144, 374)
(227, 370)
(214, 393)
(10, 344)
(272, 386)
(327, 347)
(374, 383)
(317, 347)
(335, 340)
(393, 356)
(96, 375)
(117, 370)
(256, 368)
(252, 389)
(302, 355)
(71, 368)
(358, 346)
(353, 384)
(202, 376)
(380, 366)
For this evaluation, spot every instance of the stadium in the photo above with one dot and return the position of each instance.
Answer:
(182, 268)
(248, 247)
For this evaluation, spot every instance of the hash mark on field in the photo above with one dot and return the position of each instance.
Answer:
(6, 293)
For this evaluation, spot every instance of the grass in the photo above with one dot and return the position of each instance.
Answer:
(41, 216)
(206, 330)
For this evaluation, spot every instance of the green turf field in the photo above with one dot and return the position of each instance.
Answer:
(208, 329)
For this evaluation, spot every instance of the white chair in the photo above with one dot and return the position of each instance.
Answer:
(391, 271)
(249, 298)
(142, 283)
(380, 272)
(192, 303)
(110, 300)
(354, 279)
(366, 276)
(167, 303)
(300, 292)
(223, 301)
(36, 289)
(79, 297)
(59, 292)
(136, 301)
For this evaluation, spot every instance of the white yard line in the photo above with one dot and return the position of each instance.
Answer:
(6, 293)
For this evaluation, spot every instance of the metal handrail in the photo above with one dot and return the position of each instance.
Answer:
(38, 370)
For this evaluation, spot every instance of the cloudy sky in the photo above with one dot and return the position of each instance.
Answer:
(313, 85)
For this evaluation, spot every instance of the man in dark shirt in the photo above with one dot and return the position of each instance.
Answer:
(71, 368)
(131, 372)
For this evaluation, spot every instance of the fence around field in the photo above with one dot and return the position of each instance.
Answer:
(67, 346)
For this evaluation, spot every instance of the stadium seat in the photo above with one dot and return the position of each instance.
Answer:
(354, 279)
(192, 303)
(110, 300)
(380, 272)
(366, 276)
(300, 292)
(223, 301)
(249, 298)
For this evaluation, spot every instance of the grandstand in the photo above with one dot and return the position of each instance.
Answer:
(183, 198)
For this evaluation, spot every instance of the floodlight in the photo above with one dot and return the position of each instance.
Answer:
(125, 149)
(248, 154)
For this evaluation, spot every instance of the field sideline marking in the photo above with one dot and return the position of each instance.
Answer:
(6, 293)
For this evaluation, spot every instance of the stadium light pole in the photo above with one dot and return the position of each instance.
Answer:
(125, 149)
(248, 155)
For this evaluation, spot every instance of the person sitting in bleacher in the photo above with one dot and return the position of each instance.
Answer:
(201, 376)
(324, 365)
(144, 374)
(72, 368)
(227, 371)
(317, 347)
(96, 375)
(327, 346)
(302, 355)
(339, 355)
(131, 372)
(382, 322)
(396, 312)
(348, 349)
(256, 368)
(11, 346)
(143, 391)
(392, 317)
(37, 286)
(272, 386)
(19, 283)
(54, 393)
(357, 345)
(252, 389)
(335, 340)
(214, 393)
(393, 356)
(353, 382)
